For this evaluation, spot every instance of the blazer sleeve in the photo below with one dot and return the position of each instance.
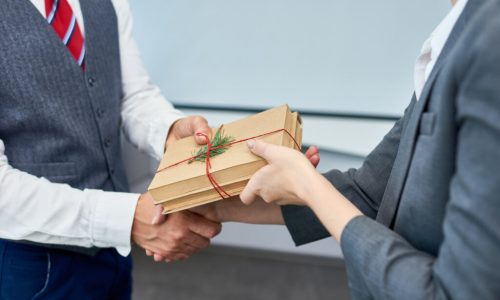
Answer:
(382, 265)
(364, 186)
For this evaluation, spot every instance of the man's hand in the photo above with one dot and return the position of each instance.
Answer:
(176, 238)
(189, 126)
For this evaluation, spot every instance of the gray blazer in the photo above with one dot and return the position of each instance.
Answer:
(430, 191)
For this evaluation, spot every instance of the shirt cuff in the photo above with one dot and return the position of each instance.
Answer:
(303, 225)
(112, 218)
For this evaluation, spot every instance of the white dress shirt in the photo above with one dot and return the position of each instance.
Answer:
(37, 210)
(434, 45)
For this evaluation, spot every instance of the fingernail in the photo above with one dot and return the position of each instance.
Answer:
(155, 220)
(250, 144)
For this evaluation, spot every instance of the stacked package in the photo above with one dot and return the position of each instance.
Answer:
(186, 179)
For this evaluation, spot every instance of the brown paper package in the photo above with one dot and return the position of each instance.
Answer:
(186, 185)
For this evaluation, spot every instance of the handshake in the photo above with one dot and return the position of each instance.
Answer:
(173, 237)
(179, 235)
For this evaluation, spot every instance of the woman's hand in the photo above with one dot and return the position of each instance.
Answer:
(287, 177)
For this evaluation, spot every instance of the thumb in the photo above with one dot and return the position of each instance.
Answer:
(200, 129)
(262, 149)
(159, 217)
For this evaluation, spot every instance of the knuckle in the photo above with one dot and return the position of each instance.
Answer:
(151, 236)
(218, 229)
(174, 248)
(177, 236)
(204, 244)
(199, 119)
(214, 230)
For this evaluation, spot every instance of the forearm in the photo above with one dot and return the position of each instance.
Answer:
(146, 123)
(259, 212)
(146, 114)
(40, 211)
(331, 207)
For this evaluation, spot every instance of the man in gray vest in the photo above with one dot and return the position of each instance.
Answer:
(72, 81)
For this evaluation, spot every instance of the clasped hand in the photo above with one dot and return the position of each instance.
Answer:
(285, 180)
(182, 234)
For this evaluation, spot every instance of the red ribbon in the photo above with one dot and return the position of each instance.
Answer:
(223, 194)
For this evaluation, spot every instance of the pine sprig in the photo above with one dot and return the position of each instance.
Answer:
(218, 142)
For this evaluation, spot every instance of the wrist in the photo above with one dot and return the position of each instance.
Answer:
(311, 188)
(225, 210)
(136, 223)
(142, 218)
(170, 136)
(259, 212)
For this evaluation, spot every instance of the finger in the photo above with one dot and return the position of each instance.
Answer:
(172, 256)
(204, 227)
(188, 250)
(312, 155)
(180, 257)
(149, 252)
(191, 239)
(281, 202)
(199, 127)
(263, 149)
(249, 193)
(158, 258)
(183, 248)
(314, 160)
(312, 151)
(159, 217)
(197, 241)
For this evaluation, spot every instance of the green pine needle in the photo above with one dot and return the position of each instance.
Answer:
(219, 140)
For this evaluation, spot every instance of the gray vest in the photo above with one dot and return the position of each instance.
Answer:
(57, 121)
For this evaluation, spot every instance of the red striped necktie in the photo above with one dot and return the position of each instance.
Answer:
(61, 17)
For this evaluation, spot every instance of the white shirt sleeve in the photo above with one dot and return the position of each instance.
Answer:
(37, 210)
(147, 116)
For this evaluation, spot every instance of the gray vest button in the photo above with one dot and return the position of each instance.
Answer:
(91, 81)
(107, 142)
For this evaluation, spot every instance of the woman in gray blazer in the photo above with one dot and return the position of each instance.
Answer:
(421, 218)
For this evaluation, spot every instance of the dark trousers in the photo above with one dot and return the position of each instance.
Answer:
(32, 272)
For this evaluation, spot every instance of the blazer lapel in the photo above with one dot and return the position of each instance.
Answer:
(395, 185)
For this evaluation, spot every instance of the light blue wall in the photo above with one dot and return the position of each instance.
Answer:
(340, 55)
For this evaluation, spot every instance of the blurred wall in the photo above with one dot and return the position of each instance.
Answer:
(339, 55)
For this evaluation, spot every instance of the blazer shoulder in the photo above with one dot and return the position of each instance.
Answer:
(483, 31)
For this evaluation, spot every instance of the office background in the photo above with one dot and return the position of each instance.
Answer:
(347, 65)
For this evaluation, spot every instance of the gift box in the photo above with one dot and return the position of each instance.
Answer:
(186, 178)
